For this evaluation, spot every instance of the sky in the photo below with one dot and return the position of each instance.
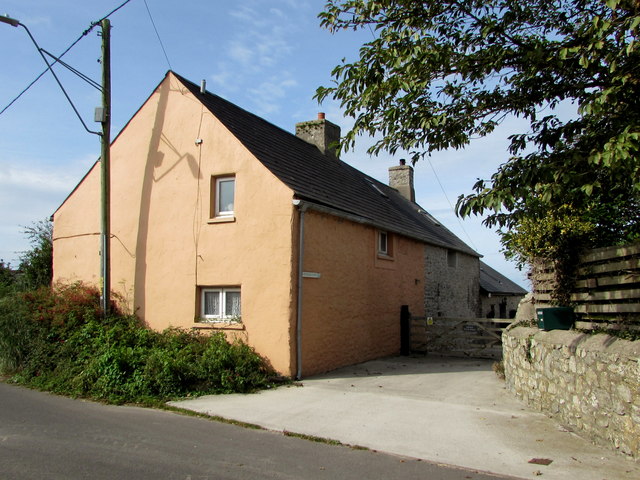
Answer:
(267, 56)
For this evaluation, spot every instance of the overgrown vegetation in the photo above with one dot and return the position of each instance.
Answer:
(623, 332)
(55, 339)
(36, 264)
(7, 278)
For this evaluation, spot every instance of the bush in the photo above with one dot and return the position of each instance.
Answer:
(7, 279)
(36, 264)
(17, 337)
(55, 340)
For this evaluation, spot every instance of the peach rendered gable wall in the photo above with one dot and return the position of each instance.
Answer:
(164, 245)
(76, 230)
(352, 312)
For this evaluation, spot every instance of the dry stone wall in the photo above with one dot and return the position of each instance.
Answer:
(588, 382)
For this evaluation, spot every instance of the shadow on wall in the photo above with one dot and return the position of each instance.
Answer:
(154, 159)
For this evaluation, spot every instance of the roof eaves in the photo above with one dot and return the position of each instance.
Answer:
(324, 208)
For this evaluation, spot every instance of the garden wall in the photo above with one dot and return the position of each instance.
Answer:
(590, 383)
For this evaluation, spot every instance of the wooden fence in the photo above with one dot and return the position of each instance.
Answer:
(462, 337)
(607, 289)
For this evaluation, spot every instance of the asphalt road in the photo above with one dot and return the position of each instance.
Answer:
(45, 436)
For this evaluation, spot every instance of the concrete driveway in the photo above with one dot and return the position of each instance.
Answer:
(444, 410)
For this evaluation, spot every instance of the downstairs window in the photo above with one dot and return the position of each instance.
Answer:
(220, 304)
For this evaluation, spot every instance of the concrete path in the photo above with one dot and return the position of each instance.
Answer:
(450, 411)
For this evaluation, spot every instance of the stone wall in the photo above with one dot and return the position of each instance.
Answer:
(451, 283)
(590, 383)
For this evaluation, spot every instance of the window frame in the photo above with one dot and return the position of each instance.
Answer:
(222, 302)
(386, 237)
(383, 250)
(216, 190)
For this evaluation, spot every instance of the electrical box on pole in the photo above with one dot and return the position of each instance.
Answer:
(99, 115)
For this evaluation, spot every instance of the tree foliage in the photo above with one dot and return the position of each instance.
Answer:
(7, 278)
(36, 264)
(438, 74)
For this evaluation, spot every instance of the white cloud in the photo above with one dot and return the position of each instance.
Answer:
(271, 49)
(277, 12)
(224, 79)
(33, 21)
(248, 15)
(37, 180)
(258, 45)
(29, 194)
(239, 52)
(31, 173)
(267, 95)
(295, 4)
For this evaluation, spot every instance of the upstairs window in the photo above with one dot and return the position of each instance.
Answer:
(223, 196)
(383, 243)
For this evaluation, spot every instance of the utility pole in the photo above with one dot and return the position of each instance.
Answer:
(102, 115)
(105, 176)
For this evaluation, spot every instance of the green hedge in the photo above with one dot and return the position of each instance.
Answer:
(55, 340)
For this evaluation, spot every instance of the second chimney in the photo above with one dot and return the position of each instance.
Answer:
(321, 133)
(401, 178)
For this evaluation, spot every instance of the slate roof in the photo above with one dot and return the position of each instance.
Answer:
(322, 180)
(492, 281)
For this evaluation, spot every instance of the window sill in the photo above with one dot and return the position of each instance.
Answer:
(217, 325)
(385, 262)
(229, 219)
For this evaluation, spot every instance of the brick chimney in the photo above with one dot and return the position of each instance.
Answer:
(321, 133)
(401, 178)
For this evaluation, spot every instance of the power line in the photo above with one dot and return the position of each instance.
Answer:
(158, 35)
(112, 12)
(57, 59)
(84, 77)
(450, 204)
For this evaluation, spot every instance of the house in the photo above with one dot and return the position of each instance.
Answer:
(499, 296)
(221, 221)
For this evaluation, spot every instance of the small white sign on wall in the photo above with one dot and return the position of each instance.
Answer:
(310, 275)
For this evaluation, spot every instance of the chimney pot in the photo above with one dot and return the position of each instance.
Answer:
(320, 115)
(403, 161)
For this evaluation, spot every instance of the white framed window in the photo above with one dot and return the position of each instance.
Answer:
(223, 196)
(383, 243)
(220, 303)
